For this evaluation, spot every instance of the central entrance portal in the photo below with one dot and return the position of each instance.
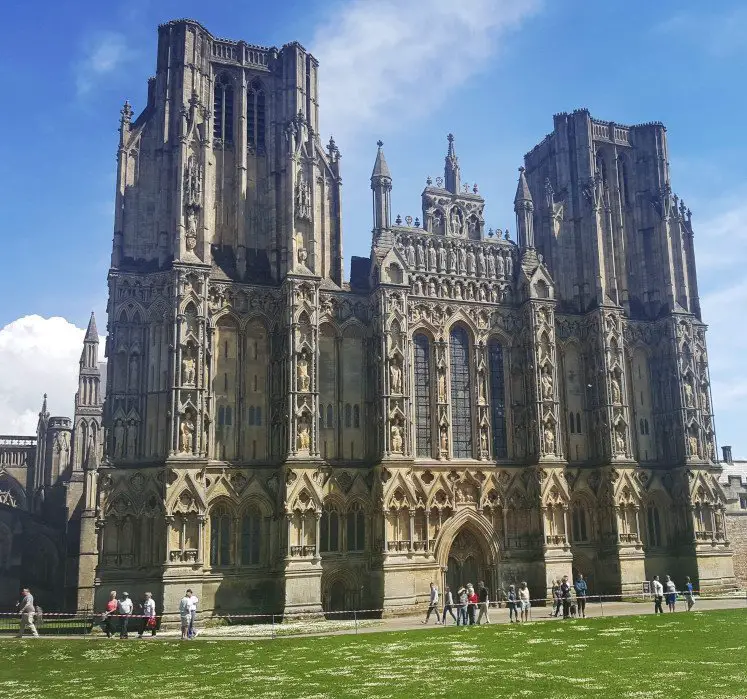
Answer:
(467, 562)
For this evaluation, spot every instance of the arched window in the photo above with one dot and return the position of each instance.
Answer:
(356, 528)
(654, 526)
(497, 399)
(255, 116)
(573, 423)
(221, 415)
(223, 109)
(580, 529)
(421, 349)
(461, 399)
(251, 528)
(220, 537)
(321, 417)
(356, 416)
(329, 531)
(348, 415)
(622, 174)
(578, 423)
(330, 416)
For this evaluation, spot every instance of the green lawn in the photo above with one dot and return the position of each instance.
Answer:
(701, 654)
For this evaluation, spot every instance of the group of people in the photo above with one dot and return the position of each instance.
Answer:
(472, 605)
(122, 610)
(668, 591)
(570, 597)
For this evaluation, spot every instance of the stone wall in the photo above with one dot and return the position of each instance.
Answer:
(736, 524)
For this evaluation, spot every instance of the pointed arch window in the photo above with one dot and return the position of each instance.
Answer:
(461, 399)
(356, 416)
(220, 537)
(329, 531)
(421, 348)
(497, 399)
(356, 528)
(255, 116)
(223, 109)
(654, 526)
(251, 527)
(348, 415)
(579, 523)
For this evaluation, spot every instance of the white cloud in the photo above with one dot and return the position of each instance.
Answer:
(392, 60)
(721, 239)
(37, 355)
(103, 54)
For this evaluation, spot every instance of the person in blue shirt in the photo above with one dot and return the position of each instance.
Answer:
(581, 591)
(689, 594)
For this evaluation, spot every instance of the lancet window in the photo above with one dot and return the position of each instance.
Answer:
(223, 109)
(423, 432)
(255, 116)
(497, 399)
(461, 401)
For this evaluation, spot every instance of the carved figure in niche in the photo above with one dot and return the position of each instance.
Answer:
(396, 438)
(472, 225)
(455, 220)
(546, 384)
(481, 262)
(417, 288)
(395, 371)
(188, 368)
(431, 257)
(193, 182)
(420, 254)
(470, 262)
(470, 292)
(689, 395)
(620, 446)
(186, 429)
(481, 293)
(491, 265)
(549, 437)
(462, 260)
(410, 254)
(438, 223)
(131, 437)
(441, 386)
(119, 439)
(304, 438)
(432, 288)
(303, 373)
(444, 439)
(692, 441)
(452, 259)
(441, 258)
(705, 404)
(484, 443)
(500, 266)
(509, 265)
(615, 390)
(481, 387)
(458, 290)
(303, 199)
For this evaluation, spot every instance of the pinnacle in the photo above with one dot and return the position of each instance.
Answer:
(522, 189)
(381, 169)
(92, 334)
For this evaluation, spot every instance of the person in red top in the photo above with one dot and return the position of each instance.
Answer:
(109, 614)
(472, 601)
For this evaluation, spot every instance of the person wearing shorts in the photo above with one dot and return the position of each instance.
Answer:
(524, 601)
(185, 614)
(511, 602)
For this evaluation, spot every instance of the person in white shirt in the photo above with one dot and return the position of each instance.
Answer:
(433, 605)
(28, 611)
(671, 593)
(449, 605)
(658, 590)
(185, 613)
(149, 616)
(193, 616)
(125, 610)
(524, 601)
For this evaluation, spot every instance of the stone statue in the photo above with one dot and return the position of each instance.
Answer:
(441, 258)
(491, 265)
(420, 254)
(193, 182)
(462, 260)
(131, 437)
(481, 293)
(689, 402)
(119, 439)
(456, 221)
(417, 288)
(546, 384)
(441, 386)
(458, 290)
(692, 441)
(303, 373)
(470, 262)
(509, 266)
(444, 439)
(549, 435)
(304, 439)
(452, 260)
(484, 443)
(431, 258)
(188, 369)
(187, 429)
(410, 254)
(619, 442)
(396, 438)
(191, 223)
(395, 371)
(615, 389)
(481, 262)
(500, 266)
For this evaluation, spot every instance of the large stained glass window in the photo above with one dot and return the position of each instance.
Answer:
(422, 395)
(461, 401)
(497, 399)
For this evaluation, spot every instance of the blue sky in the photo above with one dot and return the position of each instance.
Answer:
(493, 72)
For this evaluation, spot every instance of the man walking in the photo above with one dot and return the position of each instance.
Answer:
(27, 610)
(524, 601)
(449, 605)
(185, 613)
(193, 602)
(689, 593)
(658, 590)
(462, 607)
(125, 610)
(482, 596)
(433, 605)
(581, 592)
(565, 594)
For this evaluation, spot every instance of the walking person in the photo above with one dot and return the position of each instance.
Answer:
(27, 611)
(433, 605)
(194, 600)
(565, 594)
(658, 590)
(689, 593)
(462, 608)
(111, 613)
(149, 616)
(125, 611)
(557, 598)
(513, 614)
(581, 592)
(482, 596)
(449, 605)
(524, 601)
(472, 602)
(671, 593)
(185, 613)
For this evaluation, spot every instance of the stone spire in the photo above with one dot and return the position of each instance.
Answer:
(524, 208)
(381, 186)
(451, 168)
(89, 358)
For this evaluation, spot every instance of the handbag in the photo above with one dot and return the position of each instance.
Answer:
(150, 623)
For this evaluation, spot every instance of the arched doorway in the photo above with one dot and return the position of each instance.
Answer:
(467, 562)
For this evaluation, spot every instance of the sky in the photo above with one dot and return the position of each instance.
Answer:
(407, 72)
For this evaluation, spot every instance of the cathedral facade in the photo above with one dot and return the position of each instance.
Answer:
(465, 407)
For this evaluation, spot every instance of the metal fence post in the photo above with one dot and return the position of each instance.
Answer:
(601, 604)
(273, 626)
(355, 616)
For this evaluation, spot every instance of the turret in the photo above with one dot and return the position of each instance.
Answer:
(381, 186)
(88, 403)
(524, 208)
(451, 168)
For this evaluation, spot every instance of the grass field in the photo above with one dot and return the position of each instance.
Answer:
(701, 654)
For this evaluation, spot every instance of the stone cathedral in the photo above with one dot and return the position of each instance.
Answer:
(465, 407)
